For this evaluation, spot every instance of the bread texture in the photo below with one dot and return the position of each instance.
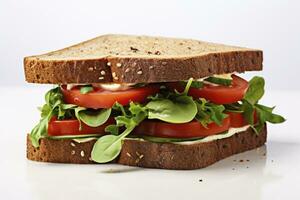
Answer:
(149, 154)
(136, 59)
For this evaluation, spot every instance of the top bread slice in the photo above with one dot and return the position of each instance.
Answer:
(139, 59)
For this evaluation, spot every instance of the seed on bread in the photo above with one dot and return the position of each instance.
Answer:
(101, 78)
(108, 64)
(82, 153)
(102, 72)
(127, 70)
(72, 144)
(90, 69)
(140, 72)
(119, 65)
(129, 155)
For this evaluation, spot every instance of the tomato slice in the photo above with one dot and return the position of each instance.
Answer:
(237, 119)
(100, 98)
(187, 130)
(218, 94)
(71, 127)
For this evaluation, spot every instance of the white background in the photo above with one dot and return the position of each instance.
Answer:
(33, 27)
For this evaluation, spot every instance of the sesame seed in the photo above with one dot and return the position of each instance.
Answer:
(114, 74)
(73, 152)
(122, 76)
(140, 72)
(151, 67)
(90, 69)
(164, 63)
(72, 144)
(102, 72)
(82, 153)
(141, 156)
(129, 155)
(108, 64)
(101, 78)
(119, 65)
(116, 78)
(127, 70)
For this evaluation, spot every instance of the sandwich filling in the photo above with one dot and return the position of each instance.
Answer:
(182, 112)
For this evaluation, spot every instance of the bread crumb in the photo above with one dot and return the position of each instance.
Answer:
(164, 63)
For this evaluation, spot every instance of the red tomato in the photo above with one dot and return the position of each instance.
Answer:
(238, 120)
(71, 127)
(100, 98)
(187, 130)
(218, 94)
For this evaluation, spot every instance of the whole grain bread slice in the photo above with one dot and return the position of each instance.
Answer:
(149, 154)
(135, 59)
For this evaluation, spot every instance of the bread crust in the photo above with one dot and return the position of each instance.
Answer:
(137, 69)
(149, 154)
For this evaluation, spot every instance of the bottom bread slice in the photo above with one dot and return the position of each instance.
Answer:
(150, 154)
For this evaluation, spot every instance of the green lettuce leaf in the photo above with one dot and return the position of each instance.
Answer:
(182, 109)
(86, 89)
(208, 112)
(109, 147)
(94, 118)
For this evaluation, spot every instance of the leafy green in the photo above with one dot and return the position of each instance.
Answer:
(249, 105)
(255, 90)
(195, 84)
(55, 106)
(209, 112)
(108, 147)
(219, 81)
(113, 129)
(94, 118)
(180, 110)
(86, 89)
(170, 107)
(39, 131)
(53, 101)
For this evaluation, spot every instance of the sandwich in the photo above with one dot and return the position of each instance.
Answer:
(151, 102)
